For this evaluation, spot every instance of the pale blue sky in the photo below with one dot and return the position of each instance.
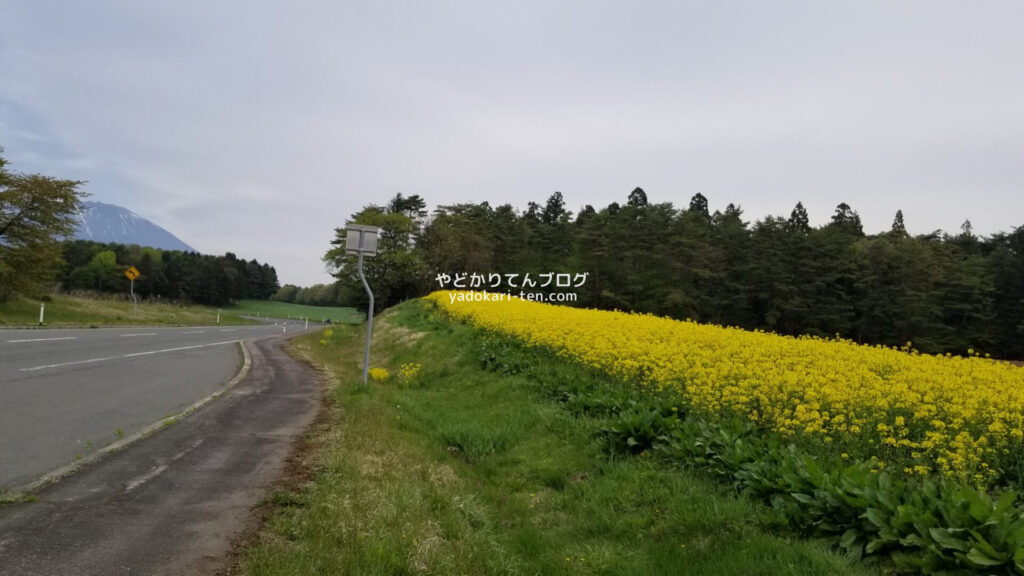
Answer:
(257, 127)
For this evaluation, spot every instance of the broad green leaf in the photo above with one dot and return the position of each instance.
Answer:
(849, 538)
(979, 558)
(947, 540)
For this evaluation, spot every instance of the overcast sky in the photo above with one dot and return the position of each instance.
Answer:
(258, 127)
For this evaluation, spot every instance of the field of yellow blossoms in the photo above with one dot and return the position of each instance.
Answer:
(961, 417)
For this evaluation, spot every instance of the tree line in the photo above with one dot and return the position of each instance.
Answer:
(941, 292)
(315, 295)
(170, 274)
(37, 212)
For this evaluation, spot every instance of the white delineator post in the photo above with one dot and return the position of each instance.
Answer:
(42, 308)
(362, 241)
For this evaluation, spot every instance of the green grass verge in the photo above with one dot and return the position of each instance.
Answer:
(77, 311)
(466, 471)
(337, 314)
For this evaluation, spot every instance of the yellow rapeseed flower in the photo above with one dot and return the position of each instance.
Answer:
(955, 415)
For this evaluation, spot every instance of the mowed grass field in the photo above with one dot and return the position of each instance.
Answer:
(446, 467)
(77, 311)
(337, 314)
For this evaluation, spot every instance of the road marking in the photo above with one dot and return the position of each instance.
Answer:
(195, 332)
(63, 471)
(67, 364)
(140, 480)
(177, 349)
(92, 360)
(146, 334)
(43, 339)
(228, 330)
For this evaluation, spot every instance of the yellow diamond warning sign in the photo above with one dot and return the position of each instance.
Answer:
(132, 273)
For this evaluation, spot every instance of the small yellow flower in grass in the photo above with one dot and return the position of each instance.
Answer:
(408, 372)
(379, 374)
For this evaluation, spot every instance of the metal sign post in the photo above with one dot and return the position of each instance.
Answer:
(362, 240)
(369, 321)
(132, 273)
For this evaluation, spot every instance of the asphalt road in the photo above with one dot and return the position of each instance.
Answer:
(175, 501)
(64, 394)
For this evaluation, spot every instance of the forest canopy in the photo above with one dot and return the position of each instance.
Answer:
(170, 274)
(942, 292)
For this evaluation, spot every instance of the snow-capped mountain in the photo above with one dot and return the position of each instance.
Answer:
(101, 222)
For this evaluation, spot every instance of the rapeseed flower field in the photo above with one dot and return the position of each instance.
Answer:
(918, 414)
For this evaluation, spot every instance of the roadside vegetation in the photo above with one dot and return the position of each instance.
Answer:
(80, 311)
(461, 458)
(100, 310)
(336, 314)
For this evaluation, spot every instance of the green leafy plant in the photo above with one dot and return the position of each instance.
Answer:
(909, 525)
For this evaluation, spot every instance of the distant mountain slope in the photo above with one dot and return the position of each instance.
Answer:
(101, 222)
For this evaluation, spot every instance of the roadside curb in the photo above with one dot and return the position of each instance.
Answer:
(54, 476)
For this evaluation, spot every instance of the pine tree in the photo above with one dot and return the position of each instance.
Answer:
(554, 210)
(799, 222)
(898, 228)
(637, 197)
(847, 220)
(699, 205)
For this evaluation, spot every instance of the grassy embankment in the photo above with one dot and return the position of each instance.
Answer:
(76, 311)
(82, 311)
(337, 314)
(461, 470)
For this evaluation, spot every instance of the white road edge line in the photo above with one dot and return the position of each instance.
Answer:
(195, 332)
(177, 349)
(120, 444)
(142, 479)
(158, 470)
(43, 339)
(146, 334)
(92, 360)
